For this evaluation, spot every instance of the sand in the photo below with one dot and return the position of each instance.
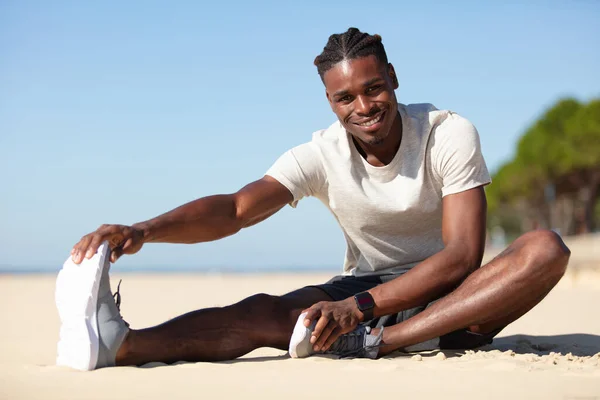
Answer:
(553, 352)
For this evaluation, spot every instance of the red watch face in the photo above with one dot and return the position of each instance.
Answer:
(364, 301)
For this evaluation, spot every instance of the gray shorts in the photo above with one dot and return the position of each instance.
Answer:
(342, 287)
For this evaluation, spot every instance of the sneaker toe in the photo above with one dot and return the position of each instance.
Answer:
(300, 345)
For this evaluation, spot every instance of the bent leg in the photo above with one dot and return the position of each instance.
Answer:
(222, 333)
(491, 297)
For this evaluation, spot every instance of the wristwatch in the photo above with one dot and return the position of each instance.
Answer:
(366, 304)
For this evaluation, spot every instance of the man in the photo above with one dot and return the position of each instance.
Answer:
(406, 186)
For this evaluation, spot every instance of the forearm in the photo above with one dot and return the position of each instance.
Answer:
(206, 219)
(429, 280)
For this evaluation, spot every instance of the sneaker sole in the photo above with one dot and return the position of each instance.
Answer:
(76, 300)
(298, 336)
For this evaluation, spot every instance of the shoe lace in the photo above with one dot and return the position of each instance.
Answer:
(117, 298)
(117, 295)
(353, 344)
(349, 342)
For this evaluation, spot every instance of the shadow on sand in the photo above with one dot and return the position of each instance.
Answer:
(259, 359)
(578, 344)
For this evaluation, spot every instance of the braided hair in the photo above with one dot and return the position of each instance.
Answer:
(347, 46)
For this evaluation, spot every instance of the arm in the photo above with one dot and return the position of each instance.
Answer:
(206, 219)
(463, 233)
(215, 217)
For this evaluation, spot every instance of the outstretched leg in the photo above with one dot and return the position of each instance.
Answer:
(222, 333)
(491, 297)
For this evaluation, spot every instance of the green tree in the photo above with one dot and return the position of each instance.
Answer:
(556, 167)
(580, 168)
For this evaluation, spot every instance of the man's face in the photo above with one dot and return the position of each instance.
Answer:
(361, 94)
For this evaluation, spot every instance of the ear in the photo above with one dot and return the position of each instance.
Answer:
(393, 77)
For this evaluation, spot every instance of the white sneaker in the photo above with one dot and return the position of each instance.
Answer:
(358, 344)
(92, 329)
(300, 345)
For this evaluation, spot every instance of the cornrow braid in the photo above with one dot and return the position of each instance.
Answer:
(347, 46)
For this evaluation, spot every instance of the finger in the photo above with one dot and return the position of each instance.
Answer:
(97, 239)
(332, 338)
(110, 233)
(119, 250)
(323, 338)
(80, 249)
(115, 254)
(75, 251)
(319, 328)
(128, 247)
(311, 314)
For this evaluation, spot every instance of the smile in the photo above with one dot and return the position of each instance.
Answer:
(372, 121)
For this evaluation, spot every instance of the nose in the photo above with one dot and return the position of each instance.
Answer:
(362, 106)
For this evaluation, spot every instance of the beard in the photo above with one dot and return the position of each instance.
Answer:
(375, 141)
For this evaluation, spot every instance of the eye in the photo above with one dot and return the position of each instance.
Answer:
(345, 99)
(373, 89)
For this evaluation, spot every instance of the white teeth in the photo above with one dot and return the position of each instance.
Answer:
(372, 122)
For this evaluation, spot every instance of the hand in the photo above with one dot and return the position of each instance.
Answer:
(335, 318)
(122, 239)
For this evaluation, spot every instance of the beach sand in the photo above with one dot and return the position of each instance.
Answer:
(553, 352)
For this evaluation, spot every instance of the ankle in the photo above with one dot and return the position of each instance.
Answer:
(125, 351)
(385, 347)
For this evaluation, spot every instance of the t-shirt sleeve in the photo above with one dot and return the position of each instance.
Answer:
(300, 170)
(456, 156)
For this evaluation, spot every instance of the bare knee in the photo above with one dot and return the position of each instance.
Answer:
(261, 306)
(547, 244)
(272, 315)
(544, 251)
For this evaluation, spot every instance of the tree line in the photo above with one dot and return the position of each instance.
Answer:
(553, 180)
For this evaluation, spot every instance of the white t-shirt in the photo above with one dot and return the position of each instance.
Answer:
(391, 216)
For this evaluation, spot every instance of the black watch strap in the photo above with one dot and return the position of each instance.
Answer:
(366, 304)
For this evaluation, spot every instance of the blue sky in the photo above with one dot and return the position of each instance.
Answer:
(114, 112)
